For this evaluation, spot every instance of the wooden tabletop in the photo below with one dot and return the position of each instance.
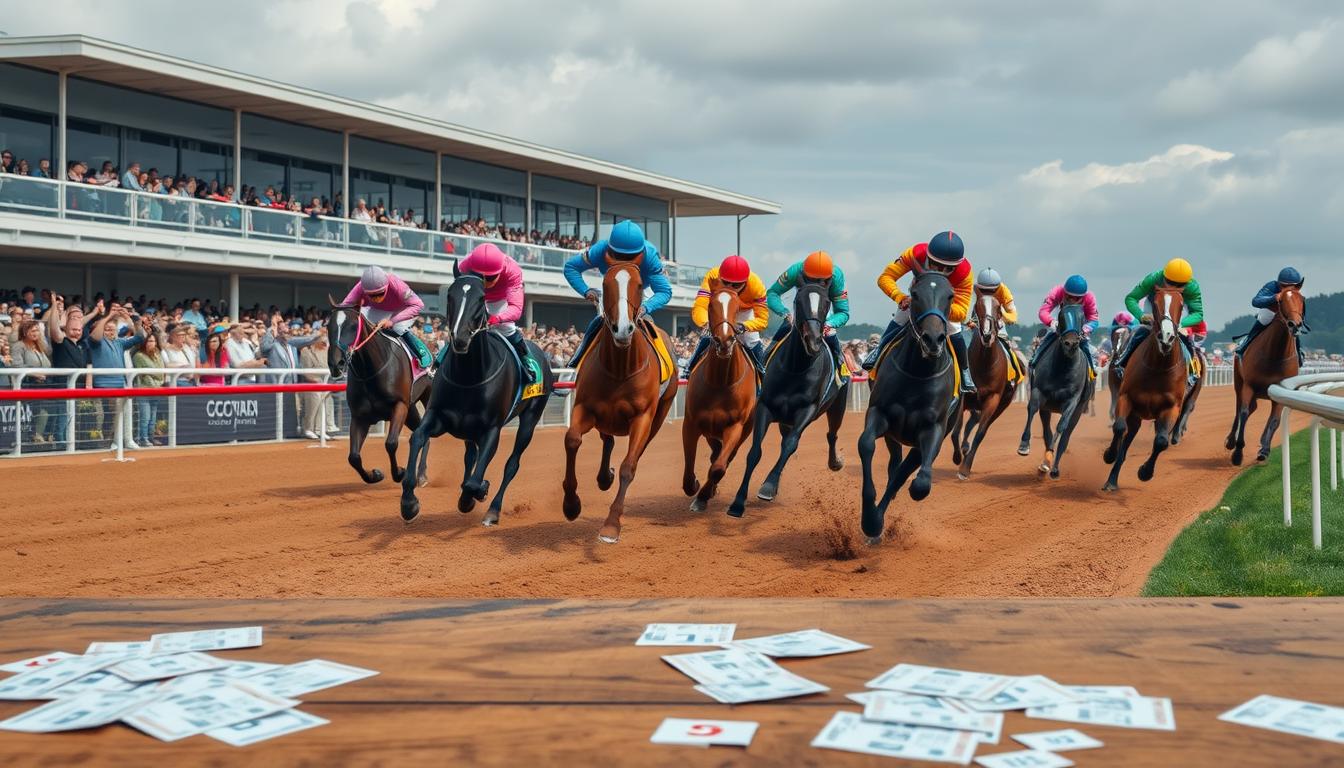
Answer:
(539, 682)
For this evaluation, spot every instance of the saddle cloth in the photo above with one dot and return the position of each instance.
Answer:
(417, 370)
(900, 338)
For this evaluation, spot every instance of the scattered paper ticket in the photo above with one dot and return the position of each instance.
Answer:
(1120, 711)
(804, 643)
(893, 708)
(848, 731)
(936, 681)
(1301, 718)
(687, 634)
(142, 670)
(135, 648)
(25, 665)
(181, 715)
(38, 683)
(1057, 741)
(935, 703)
(206, 640)
(705, 733)
(94, 681)
(1091, 692)
(87, 710)
(269, 727)
(736, 676)
(1024, 692)
(1027, 758)
(783, 686)
(306, 677)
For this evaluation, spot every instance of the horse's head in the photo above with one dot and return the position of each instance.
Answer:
(1071, 328)
(1119, 338)
(465, 310)
(811, 305)
(989, 316)
(930, 300)
(622, 293)
(1168, 302)
(1292, 307)
(344, 330)
(724, 306)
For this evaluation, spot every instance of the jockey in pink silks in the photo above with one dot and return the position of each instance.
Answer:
(503, 280)
(386, 301)
(1072, 291)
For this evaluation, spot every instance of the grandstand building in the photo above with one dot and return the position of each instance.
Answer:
(75, 98)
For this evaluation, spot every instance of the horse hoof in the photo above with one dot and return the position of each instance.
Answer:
(698, 504)
(1175, 439)
(424, 481)
(736, 510)
(409, 510)
(1024, 450)
(1230, 443)
(1145, 473)
(609, 534)
(1236, 459)
(836, 464)
(691, 488)
(1054, 474)
(465, 503)
(483, 491)
(872, 541)
(398, 475)
(767, 492)
(376, 476)
(1041, 470)
(919, 489)
(1261, 458)
(605, 479)
(1108, 456)
(963, 476)
(491, 518)
(1110, 487)
(571, 508)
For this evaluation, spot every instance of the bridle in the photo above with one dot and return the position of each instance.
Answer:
(725, 348)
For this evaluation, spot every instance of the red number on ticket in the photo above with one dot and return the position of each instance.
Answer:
(700, 729)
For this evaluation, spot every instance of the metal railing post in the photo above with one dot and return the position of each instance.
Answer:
(1334, 468)
(172, 414)
(1316, 482)
(1286, 440)
(279, 416)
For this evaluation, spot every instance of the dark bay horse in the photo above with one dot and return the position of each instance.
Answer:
(915, 402)
(1270, 358)
(477, 390)
(720, 398)
(798, 387)
(379, 384)
(1120, 336)
(994, 392)
(1152, 389)
(619, 391)
(1059, 384)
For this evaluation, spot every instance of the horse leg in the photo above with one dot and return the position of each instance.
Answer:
(1033, 403)
(1049, 437)
(1068, 421)
(605, 474)
(1231, 442)
(1162, 430)
(690, 439)
(990, 405)
(419, 447)
(1246, 405)
(898, 471)
(465, 500)
(871, 520)
(835, 416)
(527, 425)
(641, 429)
(762, 425)
(977, 418)
(1125, 432)
(954, 435)
(487, 446)
(579, 424)
(1271, 426)
(413, 421)
(724, 451)
(770, 488)
(394, 426)
(927, 447)
(358, 432)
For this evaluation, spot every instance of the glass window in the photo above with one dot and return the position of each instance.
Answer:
(483, 177)
(514, 211)
(456, 205)
(310, 179)
(412, 194)
(263, 170)
(372, 187)
(28, 135)
(290, 140)
(151, 150)
(30, 89)
(124, 106)
(205, 161)
(92, 143)
(392, 159)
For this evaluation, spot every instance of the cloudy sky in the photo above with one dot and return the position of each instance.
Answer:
(1100, 136)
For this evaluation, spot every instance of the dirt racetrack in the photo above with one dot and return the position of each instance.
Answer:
(289, 520)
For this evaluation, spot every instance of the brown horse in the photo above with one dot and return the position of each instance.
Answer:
(1152, 389)
(720, 398)
(618, 391)
(994, 392)
(1270, 358)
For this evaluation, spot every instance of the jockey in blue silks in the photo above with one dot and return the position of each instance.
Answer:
(626, 243)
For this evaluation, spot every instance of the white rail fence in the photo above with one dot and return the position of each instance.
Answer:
(1321, 395)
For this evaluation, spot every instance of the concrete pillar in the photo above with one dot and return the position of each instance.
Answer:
(672, 231)
(438, 192)
(527, 308)
(345, 174)
(238, 154)
(527, 214)
(234, 308)
(597, 215)
(62, 159)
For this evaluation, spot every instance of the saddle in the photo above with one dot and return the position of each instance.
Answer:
(1016, 370)
(417, 371)
(525, 391)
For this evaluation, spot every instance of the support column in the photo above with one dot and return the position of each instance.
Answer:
(527, 311)
(62, 85)
(672, 230)
(234, 309)
(237, 154)
(597, 215)
(345, 176)
(438, 192)
(527, 215)
(740, 219)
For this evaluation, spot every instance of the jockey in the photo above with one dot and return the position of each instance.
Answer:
(503, 280)
(735, 273)
(1266, 303)
(990, 283)
(385, 300)
(943, 253)
(816, 269)
(1176, 274)
(1122, 319)
(626, 243)
(1073, 291)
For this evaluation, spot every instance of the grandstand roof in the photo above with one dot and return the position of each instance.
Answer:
(156, 73)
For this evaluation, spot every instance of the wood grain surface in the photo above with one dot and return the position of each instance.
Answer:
(538, 682)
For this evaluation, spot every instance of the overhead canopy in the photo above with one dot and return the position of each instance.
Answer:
(156, 73)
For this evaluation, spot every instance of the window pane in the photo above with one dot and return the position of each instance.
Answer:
(373, 188)
(203, 160)
(262, 171)
(410, 195)
(309, 180)
(151, 150)
(27, 135)
(514, 208)
(483, 177)
(92, 143)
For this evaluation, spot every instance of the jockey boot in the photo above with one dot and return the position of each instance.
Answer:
(418, 346)
(524, 355)
(757, 354)
(700, 348)
(833, 342)
(1249, 337)
(587, 339)
(892, 331)
(959, 347)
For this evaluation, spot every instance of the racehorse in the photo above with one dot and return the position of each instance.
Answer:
(1120, 336)
(1060, 384)
(915, 401)
(380, 385)
(1152, 389)
(989, 364)
(720, 398)
(1269, 359)
(478, 389)
(799, 385)
(620, 390)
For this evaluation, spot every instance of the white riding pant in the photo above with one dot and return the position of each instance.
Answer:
(377, 315)
(902, 317)
(494, 308)
(750, 338)
(1264, 316)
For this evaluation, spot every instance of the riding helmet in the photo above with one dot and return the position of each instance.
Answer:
(1289, 276)
(373, 279)
(626, 239)
(734, 269)
(946, 248)
(988, 279)
(1076, 285)
(485, 259)
(818, 266)
(1178, 271)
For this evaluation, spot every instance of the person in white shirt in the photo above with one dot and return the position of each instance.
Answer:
(176, 354)
(241, 353)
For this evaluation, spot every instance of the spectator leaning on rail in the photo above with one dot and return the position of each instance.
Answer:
(626, 243)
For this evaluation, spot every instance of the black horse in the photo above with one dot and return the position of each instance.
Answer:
(1059, 384)
(478, 390)
(379, 384)
(915, 401)
(799, 386)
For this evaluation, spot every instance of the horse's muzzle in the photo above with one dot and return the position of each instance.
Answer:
(929, 346)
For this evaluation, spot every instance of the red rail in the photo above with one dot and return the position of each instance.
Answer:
(84, 393)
